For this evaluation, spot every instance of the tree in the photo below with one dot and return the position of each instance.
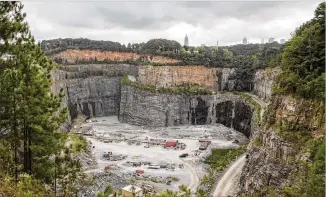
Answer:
(30, 114)
(303, 60)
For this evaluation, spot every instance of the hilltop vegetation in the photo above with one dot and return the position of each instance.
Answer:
(251, 55)
(303, 60)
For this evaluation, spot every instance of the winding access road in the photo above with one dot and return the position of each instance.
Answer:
(224, 186)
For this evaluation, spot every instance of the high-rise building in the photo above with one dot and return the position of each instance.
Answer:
(244, 41)
(270, 40)
(186, 42)
(217, 45)
(262, 41)
(202, 45)
(282, 41)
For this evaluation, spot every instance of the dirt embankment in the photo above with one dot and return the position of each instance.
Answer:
(71, 55)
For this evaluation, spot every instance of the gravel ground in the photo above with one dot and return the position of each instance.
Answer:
(109, 128)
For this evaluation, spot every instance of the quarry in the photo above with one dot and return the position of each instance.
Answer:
(157, 140)
(148, 156)
(99, 118)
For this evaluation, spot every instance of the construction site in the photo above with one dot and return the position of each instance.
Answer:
(154, 159)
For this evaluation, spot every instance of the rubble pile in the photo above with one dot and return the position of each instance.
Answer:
(101, 180)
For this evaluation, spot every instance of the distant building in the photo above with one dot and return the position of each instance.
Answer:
(186, 42)
(202, 45)
(132, 190)
(244, 41)
(282, 41)
(262, 41)
(270, 40)
(217, 45)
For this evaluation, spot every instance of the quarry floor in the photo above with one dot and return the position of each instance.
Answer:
(109, 128)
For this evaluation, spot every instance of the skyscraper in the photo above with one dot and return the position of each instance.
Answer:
(262, 41)
(244, 41)
(186, 42)
(270, 40)
(217, 45)
(282, 41)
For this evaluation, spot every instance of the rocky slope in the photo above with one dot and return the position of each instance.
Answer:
(275, 154)
(141, 107)
(263, 82)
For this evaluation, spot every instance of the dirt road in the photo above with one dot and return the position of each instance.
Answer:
(224, 186)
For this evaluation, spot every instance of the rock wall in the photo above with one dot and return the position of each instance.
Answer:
(91, 90)
(263, 82)
(270, 157)
(213, 78)
(141, 107)
(163, 76)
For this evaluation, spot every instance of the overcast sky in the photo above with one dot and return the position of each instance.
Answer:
(204, 22)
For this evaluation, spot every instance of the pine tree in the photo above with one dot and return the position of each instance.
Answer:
(30, 115)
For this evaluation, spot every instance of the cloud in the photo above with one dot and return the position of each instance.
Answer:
(204, 22)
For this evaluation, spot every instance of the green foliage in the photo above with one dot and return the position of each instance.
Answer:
(308, 179)
(185, 89)
(78, 143)
(220, 158)
(161, 46)
(28, 187)
(303, 60)
(257, 141)
(183, 192)
(218, 161)
(30, 114)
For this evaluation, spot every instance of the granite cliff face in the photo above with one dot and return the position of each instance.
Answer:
(94, 90)
(141, 107)
(163, 76)
(91, 90)
(271, 155)
(263, 82)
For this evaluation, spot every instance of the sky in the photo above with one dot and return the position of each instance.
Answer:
(135, 22)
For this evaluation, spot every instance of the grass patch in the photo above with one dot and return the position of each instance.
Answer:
(78, 143)
(184, 89)
(220, 158)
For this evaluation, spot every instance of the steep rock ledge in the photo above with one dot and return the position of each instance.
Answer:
(91, 90)
(164, 76)
(141, 107)
(263, 82)
(272, 157)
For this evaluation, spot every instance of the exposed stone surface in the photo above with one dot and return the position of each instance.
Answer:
(267, 164)
(164, 76)
(71, 55)
(94, 89)
(91, 90)
(263, 82)
(268, 161)
(141, 107)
